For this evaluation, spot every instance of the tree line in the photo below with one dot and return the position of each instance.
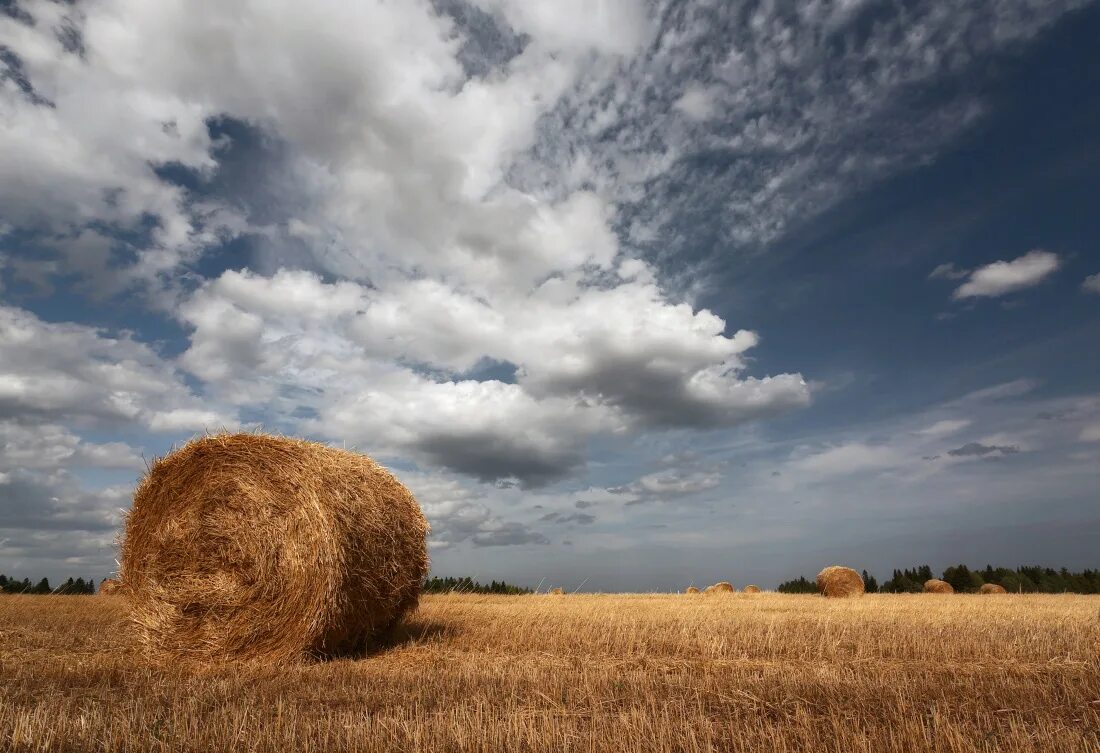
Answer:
(85, 587)
(1024, 579)
(467, 585)
(78, 587)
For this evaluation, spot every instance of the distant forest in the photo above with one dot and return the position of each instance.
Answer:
(469, 586)
(85, 587)
(1029, 579)
(78, 587)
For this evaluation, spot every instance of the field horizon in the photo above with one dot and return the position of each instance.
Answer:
(585, 672)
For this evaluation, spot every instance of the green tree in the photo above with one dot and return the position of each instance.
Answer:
(960, 578)
(798, 586)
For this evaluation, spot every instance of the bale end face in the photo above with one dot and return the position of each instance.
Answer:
(557, 592)
(992, 588)
(691, 590)
(937, 586)
(837, 582)
(750, 589)
(721, 587)
(260, 548)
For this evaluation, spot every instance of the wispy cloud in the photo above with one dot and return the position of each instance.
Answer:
(1002, 277)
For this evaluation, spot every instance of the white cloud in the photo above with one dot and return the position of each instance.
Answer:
(1003, 277)
(696, 103)
(48, 446)
(459, 513)
(1092, 283)
(944, 427)
(613, 26)
(1003, 391)
(387, 366)
(669, 484)
(189, 419)
(852, 457)
(81, 374)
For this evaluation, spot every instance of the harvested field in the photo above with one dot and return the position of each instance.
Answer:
(589, 673)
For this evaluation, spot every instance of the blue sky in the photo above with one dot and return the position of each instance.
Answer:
(631, 294)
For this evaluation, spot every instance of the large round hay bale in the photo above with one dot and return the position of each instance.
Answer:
(709, 590)
(937, 586)
(751, 589)
(691, 590)
(254, 547)
(721, 587)
(837, 582)
(109, 586)
(992, 588)
(557, 592)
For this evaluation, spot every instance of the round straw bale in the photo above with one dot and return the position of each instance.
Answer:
(937, 586)
(751, 589)
(838, 582)
(109, 586)
(722, 587)
(992, 588)
(557, 592)
(691, 590)
(709, 590)
(261, 548)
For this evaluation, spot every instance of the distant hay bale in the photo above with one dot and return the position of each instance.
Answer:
(109, 586)
(750, 589)
(262, 548)
(691, 590)
(709, 590)
(721, 587)
(937, 586)
(557, 592)
(837, 582)
(992, 588)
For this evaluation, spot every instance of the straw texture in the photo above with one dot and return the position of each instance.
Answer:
(837, 582)
(255, 547)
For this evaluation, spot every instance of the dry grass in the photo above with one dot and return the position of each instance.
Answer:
(768, 672)
(249, 546)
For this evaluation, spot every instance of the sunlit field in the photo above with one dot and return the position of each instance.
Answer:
(585, 673)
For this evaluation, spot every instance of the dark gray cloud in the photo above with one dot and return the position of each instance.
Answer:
(643, 385)
(492, 458)
(509, 534)
(57, 502)
(580, 518)
(977, 449)
(487, 44)
(948, 271)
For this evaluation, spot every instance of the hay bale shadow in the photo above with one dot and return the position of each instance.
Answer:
(405, 634)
